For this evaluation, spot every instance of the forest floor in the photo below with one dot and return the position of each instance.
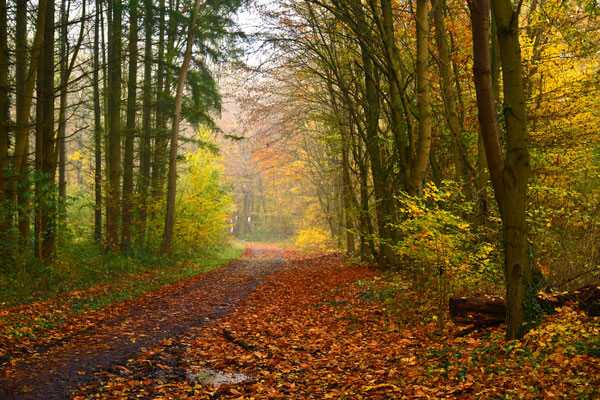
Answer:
(304, 327)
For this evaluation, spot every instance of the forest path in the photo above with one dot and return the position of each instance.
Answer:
(120, 332)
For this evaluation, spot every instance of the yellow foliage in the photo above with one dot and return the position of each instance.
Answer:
(204, 202)
(314, 239)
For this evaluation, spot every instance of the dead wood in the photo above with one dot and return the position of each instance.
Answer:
(243, 343)
(483, 311)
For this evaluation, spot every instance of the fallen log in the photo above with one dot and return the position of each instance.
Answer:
(243, 343)
(484, 311)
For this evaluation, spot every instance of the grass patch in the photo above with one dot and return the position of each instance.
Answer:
(35, 300)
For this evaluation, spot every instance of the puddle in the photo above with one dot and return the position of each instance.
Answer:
(216, 378)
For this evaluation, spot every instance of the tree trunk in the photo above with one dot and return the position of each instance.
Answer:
(47, 163)
(161, 125)
(127, 204)
(114, 128)
(98, 131)
(4, 176)
(22, 126)
(482, 75)
(373, 144)
(23, 187)
(347, 194)
(62, 112)
(393, 72)
(419, 168)
(166, 247)
(463, 168)
(515, 177)
(144, 178)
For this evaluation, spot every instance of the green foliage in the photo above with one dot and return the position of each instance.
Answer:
(436, 239)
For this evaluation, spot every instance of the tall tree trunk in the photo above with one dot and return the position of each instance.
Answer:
(393, 75)
(161, 125)
(47, 163)
(515, 177)
(347, 193)
(482, 75)
(144, 179)
(98, 131)
(373, 144)
(114, 128)
(66, 68)
(463, 168)
(22, 127)
(23, 187)
(127, 211)
(419, 167)
(62, 113)
(166, 247)
(4, 116)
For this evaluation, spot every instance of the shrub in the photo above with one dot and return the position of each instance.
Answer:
(436, 240)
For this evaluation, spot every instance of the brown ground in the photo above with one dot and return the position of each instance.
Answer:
(107, 339)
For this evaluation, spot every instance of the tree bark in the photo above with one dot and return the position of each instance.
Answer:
(166, 247)
(393, 74)
(4, 120)
(463, 168)
(47, 162)
(515, 177)
(23, 187)
(482, 75)
(22, 126)
(62, 125)
(144, 179)
(419, 168)
(114, 128)
(98, 131)
(127, 202)
(161, 121)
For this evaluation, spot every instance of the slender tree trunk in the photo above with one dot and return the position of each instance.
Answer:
(518, 272)
(166, 247)
(127, 205)
(4, 176)
(419, 168)
(393, 75)
(373, 145)
(23, 187)
(144, 179)
(114, 128)
(47, 162)
(481, 181)
(482, 75)
(98, 131)
(66, 68)
(367, 245)
(62, 125)
(161, 126)
(463, 168)
(347, 194)
(22, 127)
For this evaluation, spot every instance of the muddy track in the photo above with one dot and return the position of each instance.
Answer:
(52, 371)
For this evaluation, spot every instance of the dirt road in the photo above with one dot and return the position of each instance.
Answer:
(118, 333)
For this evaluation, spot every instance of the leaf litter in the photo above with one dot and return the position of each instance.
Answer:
(324, 328)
